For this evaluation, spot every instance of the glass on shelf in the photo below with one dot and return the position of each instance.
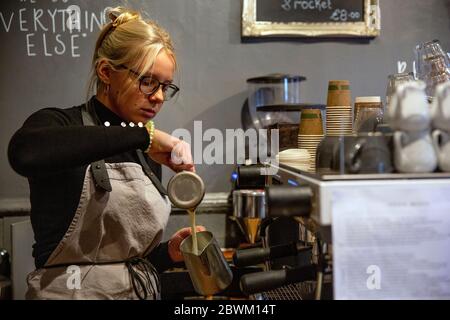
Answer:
(439, 73)
(394, 80)
(432, 65)
(368, 114)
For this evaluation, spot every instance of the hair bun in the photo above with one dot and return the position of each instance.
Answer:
(120, 15)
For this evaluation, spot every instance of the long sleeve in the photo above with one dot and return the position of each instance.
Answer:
(160, 258)
(48, 142)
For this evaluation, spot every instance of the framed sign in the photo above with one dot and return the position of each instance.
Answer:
(310, 18)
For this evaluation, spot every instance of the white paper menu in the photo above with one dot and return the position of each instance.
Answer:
(391, 242)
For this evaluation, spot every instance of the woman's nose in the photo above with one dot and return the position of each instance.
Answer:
(158, 96)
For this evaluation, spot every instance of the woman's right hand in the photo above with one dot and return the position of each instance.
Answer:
(176, 240)
(171, 151)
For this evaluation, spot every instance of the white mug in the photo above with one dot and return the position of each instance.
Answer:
(441, 141)
(414, 152)
(440, 108)
(408, 109)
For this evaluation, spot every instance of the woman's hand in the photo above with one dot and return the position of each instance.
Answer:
(175, 241)
(172, 152)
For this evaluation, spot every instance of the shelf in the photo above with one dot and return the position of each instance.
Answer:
(295, 107)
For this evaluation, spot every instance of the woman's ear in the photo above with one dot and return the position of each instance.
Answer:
(104, 71)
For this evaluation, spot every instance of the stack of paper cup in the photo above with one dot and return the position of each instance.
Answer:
(310, 133)
(339, 119)
(310, 143)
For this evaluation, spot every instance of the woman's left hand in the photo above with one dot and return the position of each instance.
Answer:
(175, 242)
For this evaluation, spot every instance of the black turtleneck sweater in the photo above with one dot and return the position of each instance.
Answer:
(53, 150)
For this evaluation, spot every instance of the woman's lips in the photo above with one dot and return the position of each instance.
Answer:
(149, 113)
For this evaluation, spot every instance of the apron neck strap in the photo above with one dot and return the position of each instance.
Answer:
(98, 168)
(158, 185)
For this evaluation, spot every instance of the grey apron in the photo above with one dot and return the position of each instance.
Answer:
(120, 218)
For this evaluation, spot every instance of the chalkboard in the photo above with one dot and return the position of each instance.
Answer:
(310, 10)
(312, 18)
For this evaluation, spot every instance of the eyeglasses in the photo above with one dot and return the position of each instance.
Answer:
(149, 85)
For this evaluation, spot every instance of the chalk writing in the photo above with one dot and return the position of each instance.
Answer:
(52, 31)
(310, 11)
(306, 5)
(338, 14)
(401, 66)
(343, 15)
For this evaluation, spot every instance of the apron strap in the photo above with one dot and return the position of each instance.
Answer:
(141, 273)
(158, 185)
(98, 168)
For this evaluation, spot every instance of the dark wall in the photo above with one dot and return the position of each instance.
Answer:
(214, 63)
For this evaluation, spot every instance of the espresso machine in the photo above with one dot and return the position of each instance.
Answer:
(248, 199)
(350, 231)
(285, 245)
(310, 200)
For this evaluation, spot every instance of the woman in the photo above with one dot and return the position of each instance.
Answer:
(98, 209)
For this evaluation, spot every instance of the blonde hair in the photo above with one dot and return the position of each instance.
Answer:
(128, 40)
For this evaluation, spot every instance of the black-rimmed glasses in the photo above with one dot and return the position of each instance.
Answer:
(149, 85)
